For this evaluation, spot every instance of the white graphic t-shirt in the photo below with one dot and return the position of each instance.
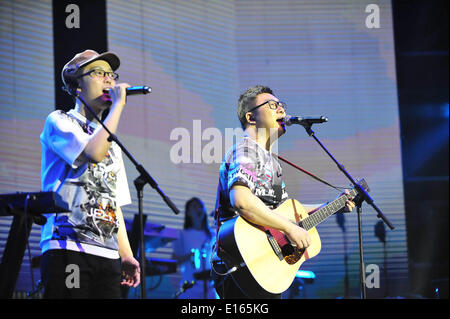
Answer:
(92, 190)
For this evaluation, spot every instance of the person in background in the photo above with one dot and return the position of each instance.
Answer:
(192, 251)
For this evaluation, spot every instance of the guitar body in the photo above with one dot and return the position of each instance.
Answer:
(266, 268)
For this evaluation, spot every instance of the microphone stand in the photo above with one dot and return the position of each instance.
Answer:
(139, 183)
(363, 196)
(340, 218)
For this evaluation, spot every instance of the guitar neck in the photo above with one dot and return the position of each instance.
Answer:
(323, 213)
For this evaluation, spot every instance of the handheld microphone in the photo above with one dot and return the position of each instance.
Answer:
(289, 120)
(134, 90)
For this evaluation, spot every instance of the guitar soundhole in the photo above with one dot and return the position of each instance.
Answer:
(292, 254)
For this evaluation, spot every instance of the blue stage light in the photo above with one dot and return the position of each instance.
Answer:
(306, 274)
(444, 110)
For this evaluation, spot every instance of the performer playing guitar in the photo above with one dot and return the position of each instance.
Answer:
(251, 187)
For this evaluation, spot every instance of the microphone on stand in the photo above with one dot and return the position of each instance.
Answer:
(134, 90)
(289, 120)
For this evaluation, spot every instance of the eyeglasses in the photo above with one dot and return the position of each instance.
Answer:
(100, 73)
(272, 104)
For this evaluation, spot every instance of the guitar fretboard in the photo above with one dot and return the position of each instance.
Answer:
(323, 213)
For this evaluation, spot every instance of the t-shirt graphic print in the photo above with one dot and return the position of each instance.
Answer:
(92, 190)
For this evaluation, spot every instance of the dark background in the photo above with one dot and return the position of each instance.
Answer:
(94, 15)
(421, 41)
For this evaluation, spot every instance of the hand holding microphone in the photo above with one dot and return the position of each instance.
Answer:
(134, 90)
(119, 92)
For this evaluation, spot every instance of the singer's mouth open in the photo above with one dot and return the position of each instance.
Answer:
(282, 124)
(105, 96)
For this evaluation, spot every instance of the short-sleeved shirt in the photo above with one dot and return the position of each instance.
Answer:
(93, 191)
(249, 164)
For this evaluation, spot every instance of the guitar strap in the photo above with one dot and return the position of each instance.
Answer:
(307, 173)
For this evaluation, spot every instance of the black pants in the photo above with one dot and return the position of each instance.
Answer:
(227, 288)
(70, 274)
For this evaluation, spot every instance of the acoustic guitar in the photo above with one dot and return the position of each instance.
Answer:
(265, 259)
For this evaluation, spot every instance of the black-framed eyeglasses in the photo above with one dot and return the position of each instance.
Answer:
(272, 104)
(100, 73)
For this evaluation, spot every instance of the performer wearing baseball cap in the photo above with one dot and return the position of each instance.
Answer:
(86, 253)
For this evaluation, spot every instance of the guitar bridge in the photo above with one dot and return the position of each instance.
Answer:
(276, 248)
(289, 252)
